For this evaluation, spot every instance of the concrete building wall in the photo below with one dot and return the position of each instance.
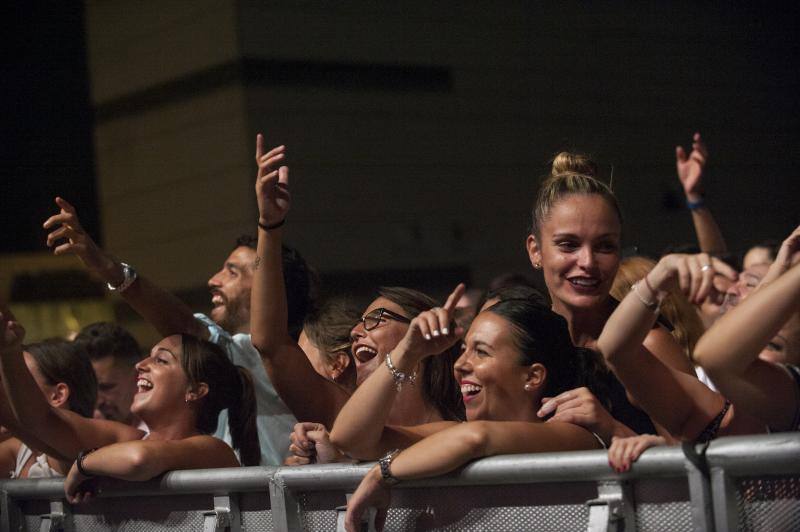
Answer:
(417, 132)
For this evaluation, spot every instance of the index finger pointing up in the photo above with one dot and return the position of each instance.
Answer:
(259, 146)
(454, 297)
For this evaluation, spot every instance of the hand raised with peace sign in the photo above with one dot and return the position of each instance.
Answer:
(272, 185)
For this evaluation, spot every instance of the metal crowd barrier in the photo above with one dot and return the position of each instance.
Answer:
(736, 483)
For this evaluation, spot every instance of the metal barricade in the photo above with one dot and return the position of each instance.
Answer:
(751, 483)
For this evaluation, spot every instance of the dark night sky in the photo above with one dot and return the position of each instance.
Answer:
(46, 146)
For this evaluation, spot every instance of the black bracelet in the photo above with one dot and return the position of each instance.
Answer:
(271, 226)
(79, 462)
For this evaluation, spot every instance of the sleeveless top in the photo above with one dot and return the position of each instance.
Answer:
(39, 468)
(795, 372)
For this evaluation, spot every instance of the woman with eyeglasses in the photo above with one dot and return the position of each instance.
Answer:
(435, 397)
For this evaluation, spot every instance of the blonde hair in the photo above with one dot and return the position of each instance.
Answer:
(688, 328)
(571, 173)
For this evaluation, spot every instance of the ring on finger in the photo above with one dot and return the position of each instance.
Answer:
(705, 268)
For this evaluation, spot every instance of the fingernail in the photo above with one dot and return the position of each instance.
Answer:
(445, 331)
(427, 336)
(436, 332)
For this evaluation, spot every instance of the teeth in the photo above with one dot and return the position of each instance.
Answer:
(217, 300)
(470, 388)
(584, 282)
(364, 348)
(144, 383)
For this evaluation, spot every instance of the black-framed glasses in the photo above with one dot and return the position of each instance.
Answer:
(375, 317)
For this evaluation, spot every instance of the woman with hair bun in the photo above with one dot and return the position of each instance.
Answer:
(575, 240)
(182, 387)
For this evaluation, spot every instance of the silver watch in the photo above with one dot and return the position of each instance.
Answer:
(129, 277)
(385, 464)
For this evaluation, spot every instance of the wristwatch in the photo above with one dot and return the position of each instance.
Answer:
(385, 464)
(129, 277)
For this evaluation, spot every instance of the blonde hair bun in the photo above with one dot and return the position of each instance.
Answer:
(573, 163)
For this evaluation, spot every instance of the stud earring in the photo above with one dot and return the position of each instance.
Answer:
(537, 265)
(527, 387)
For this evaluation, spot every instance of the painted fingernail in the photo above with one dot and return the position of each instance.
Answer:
(445, 331)
(436, 332)
(427, 336)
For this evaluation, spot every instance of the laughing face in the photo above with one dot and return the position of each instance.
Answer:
(491, 378)
(160, 380)
(370, 347)
(578, 251)
(230, 291)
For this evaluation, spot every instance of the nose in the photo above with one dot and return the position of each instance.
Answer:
(142, 365)
(358, 331)
(215, 282)
(462, 365)
(586, 257)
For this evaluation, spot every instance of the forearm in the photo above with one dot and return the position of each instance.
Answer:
(709, 235)
(163, 310)
(734, 341)
(626, 328)
(268, 306)
(126, 461)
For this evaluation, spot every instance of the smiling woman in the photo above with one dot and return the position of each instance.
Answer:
(181, 388)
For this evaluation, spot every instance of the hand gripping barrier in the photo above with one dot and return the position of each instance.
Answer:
(744, 483)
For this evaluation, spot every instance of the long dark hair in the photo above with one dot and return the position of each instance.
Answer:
(543, 336)
(229, 386)
(439, 388)
(62, 361)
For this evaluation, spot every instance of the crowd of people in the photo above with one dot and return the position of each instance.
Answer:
(618, 354)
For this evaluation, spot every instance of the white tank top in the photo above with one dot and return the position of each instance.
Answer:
(39, 469)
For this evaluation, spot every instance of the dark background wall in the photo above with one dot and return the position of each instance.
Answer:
(418, 132)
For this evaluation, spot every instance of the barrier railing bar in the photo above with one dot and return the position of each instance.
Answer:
(773, 454)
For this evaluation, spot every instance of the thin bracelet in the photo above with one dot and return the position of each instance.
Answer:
(651, 305)
(79, 462)
(399, 376)
(269, 227)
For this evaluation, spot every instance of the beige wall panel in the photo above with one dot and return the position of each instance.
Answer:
(135, 45)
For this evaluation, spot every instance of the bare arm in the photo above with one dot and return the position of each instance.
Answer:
(359, 428)
(679, 402)
(451, 448)
(168, 314)
(690, 172)
(288, 368)
(146, 459)
(729, 352)
(62, 433)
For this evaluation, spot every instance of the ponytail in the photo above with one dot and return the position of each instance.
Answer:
(242, 419)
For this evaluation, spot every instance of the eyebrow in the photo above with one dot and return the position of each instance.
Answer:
(481, 342)
(232, 266)
(573, 235)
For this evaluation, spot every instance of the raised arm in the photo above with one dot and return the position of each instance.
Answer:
(168, 314)
(145, 459)
(453, 447)
(679, 402)
(287, 366)
(729, 353)
(359, 428)
(62, 433)
(690, 172)
(788, 254)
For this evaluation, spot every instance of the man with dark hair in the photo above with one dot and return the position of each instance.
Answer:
(228, 324)
(113, 353)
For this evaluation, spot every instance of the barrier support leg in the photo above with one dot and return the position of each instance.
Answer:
(285, 507)
(224, 516)
(726, 514)
(613, 509)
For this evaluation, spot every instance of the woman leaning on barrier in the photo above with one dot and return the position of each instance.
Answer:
(182, 387)
(515, 353)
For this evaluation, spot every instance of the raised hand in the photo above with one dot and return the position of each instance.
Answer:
(433, 331)
(272, 184)
(13, 333)
(67, 226)
(693, 274)
(690, 169)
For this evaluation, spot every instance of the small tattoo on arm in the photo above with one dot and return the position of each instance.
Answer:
(257, 263)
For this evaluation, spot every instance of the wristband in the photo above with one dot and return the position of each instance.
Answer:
(79, 462)
(268, 227)
(695, 205)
